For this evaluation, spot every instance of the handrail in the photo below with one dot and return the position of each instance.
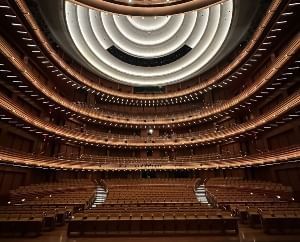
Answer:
(188, 111)
(137, 159)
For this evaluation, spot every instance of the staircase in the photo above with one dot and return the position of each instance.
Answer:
(200, 194)
(100, 196)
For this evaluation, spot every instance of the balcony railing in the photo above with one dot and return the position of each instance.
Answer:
(287, 105)
(283, 155)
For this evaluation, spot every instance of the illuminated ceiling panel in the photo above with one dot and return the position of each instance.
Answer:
(151, 38)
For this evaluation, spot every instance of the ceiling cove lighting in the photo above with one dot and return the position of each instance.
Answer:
(94, 32)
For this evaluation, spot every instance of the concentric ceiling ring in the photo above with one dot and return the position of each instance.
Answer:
(159, 50)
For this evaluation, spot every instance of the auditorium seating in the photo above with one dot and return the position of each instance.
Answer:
(257, 203)
(75, 191)
(151, 206)
(40, 207)
(200, 146)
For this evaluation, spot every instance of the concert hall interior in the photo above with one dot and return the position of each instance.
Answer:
(149, 120)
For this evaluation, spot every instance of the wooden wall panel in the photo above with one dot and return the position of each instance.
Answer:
(289, 177)
(18, 142)
(10, 180)
(230, 149)
(28, 107)
(283, 139)
(69, 150)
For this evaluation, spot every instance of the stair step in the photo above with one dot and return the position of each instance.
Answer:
(100, 197)
(201, 194)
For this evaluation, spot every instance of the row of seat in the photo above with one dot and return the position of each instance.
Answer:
(154, 209)
(151, 223)
(31, 220)
(146, 204)
(29, 224)
(156, 181)
(36, 191)
(280, 220)
(253, 214)
(239, 182)
(223, 192)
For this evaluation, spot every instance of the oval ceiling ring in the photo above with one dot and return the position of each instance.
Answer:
(158, 76)
(143, 72)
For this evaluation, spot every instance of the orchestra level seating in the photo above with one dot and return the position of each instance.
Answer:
(151, 206)
(259, 204)
(39, 207)
(156, 206)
